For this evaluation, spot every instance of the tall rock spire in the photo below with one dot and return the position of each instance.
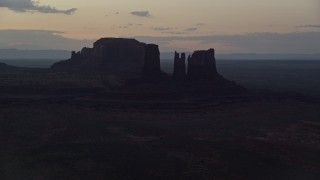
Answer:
(179, 69)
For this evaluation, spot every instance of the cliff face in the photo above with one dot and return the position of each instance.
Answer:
(202, 65)
(151, 69)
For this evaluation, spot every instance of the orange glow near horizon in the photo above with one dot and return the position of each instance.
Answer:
(112, 18)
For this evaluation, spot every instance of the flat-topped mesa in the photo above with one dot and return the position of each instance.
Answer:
(151, 68)
(119, 49)
(117, 56)
(179, 68)
(202, 65)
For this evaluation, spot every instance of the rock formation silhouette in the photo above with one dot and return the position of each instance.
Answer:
(151, 69)
(119, 50)
(131, 59)
(117, 56)
(202, 65)
(139, 65)
(179, 67)
(86, 52)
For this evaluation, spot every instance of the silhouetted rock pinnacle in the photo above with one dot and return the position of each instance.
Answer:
(179, 69)
(202, 65)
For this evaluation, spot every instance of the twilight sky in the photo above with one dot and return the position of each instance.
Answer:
(230, 26)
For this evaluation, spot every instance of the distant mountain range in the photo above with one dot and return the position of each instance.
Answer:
(252, 56)
(62, 54)
(34, 54)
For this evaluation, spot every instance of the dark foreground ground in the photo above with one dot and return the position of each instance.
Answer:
(81, 131)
